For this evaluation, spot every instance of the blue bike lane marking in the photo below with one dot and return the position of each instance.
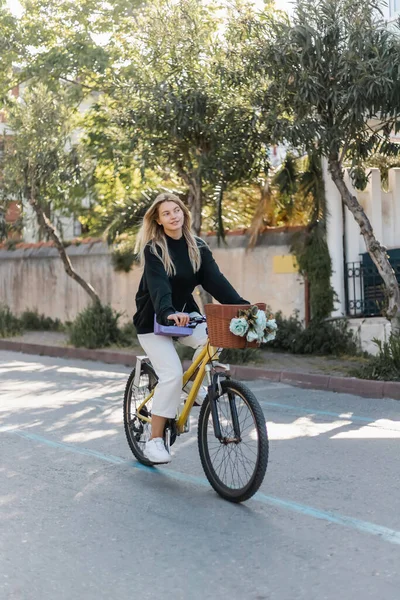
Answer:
(385, 533)
(344, 416)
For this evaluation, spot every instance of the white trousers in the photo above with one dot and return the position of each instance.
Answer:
(168, 367)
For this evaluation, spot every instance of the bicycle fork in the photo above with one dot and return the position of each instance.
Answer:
(214, 392)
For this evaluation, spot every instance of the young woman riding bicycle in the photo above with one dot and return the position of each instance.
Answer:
(175, 262)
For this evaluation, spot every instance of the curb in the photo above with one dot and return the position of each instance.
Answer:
(345, 385)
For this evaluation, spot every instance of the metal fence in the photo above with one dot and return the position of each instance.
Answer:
(365, 293)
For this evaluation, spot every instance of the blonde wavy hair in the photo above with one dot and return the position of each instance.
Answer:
(152, 232)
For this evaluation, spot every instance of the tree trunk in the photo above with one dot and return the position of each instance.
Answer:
(195, 206)
(46, 224)
(375, 250)
(195, 196)
(195, 202)
(261, 211)
(220, 222)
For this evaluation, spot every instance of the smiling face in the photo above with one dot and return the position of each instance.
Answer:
(171, 217)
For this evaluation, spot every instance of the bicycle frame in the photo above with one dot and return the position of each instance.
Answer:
(207, 354)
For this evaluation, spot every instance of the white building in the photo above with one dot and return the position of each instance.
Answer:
(391, 10)
(360, 294)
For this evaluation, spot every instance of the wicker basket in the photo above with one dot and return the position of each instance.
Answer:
(219, 317)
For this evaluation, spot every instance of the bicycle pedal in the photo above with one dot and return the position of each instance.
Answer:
(167, 439)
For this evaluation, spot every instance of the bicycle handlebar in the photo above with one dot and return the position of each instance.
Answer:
(194, 321)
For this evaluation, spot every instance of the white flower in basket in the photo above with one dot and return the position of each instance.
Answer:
(253, 324)
(239, 326)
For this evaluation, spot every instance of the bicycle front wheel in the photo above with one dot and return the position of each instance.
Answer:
(235, 465)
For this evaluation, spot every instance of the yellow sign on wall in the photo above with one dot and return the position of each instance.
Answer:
(285, 263)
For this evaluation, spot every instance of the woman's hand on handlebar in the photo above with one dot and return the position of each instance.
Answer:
(181, 319)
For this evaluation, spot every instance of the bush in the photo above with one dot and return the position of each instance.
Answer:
(313, 258)
(240, 356)
(320, 337)
(233, 356)
(123, 256)
(327, 337)
(32, 321)
(95, 327)
(127, 335)
(9, 324)
(289, 330)
(385, 366)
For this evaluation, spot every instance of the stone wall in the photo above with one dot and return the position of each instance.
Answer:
(369, 329)
(34, 277)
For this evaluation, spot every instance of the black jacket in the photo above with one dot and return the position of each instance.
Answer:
(162, 295)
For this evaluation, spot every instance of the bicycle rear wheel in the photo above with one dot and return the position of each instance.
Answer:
(137, 431)
(235, 466)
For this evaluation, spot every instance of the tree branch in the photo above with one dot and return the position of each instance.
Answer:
(49, 227)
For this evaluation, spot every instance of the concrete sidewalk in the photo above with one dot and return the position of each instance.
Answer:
(316, 372)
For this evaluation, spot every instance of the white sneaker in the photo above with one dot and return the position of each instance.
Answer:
(156, 451)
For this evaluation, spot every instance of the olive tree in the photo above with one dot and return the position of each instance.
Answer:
(162, 66)
(334, 79)
(177, 98)
(41, 166)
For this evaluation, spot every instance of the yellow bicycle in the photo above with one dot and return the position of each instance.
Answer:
(232, 433)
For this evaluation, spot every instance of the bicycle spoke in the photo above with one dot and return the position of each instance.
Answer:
(234, 462)
(140, 431)
(249, 473)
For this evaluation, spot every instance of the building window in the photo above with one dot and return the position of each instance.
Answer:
(77, 228)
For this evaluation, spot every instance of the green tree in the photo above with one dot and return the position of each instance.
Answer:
(72, 41)
(163, 68)
(11, 50)
(335, 89)
(42, 167)
(178, 100)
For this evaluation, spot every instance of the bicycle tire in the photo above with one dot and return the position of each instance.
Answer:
(245, 492)
(132, 436)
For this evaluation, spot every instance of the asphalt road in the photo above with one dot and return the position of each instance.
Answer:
(80, 520)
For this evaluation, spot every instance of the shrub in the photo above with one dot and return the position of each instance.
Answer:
(32, 321)
(313, 258)
(95, 327)
(289, 330)
(123, 256)
(11, 244)
(9, 324)
(385, 366)
(233, 356)
(127, 335)
(240, 356)
(320, 337)
(327, 337)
